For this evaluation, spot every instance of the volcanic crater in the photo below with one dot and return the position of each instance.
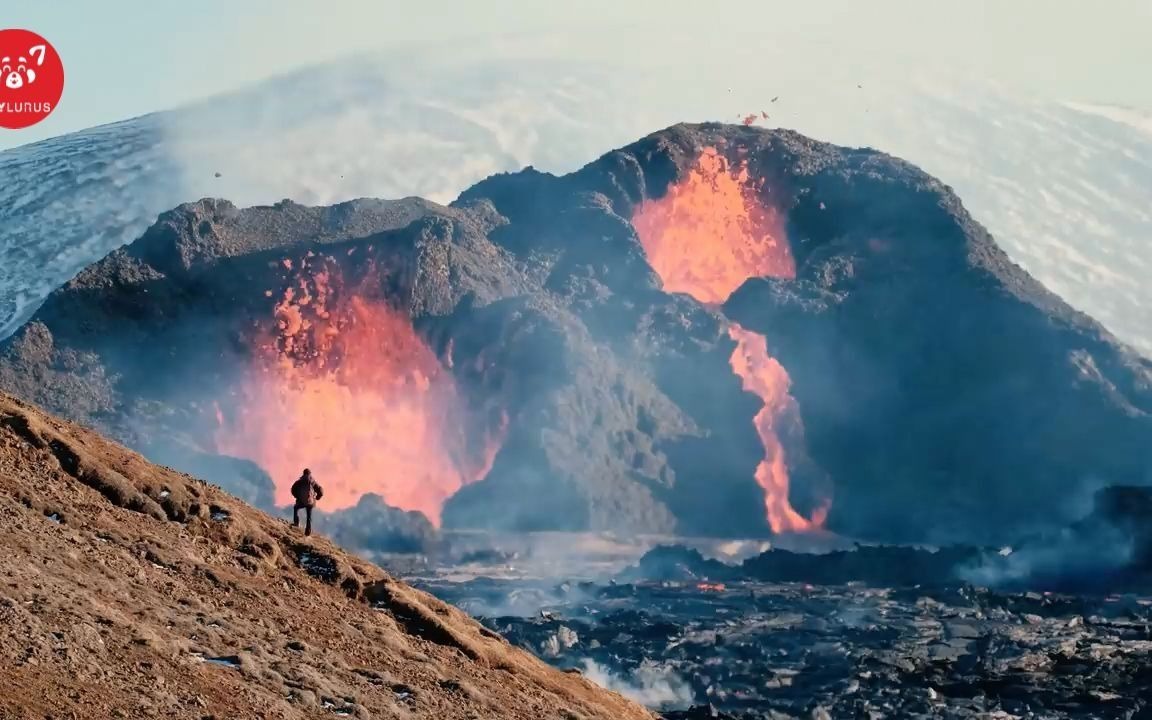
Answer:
(717, 330)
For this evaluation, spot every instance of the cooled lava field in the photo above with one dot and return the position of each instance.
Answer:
(697, 647)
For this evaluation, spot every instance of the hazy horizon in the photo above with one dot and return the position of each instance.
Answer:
(149, 56)
(1033, 113)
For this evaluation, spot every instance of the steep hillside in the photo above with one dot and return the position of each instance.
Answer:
(129, 590)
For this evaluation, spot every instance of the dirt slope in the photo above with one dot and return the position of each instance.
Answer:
(128, 590)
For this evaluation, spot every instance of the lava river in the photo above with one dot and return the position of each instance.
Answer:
(708, 234)
(344, 385)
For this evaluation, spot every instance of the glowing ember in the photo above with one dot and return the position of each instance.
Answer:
(705, 237)
(752, 118)
(343, 385)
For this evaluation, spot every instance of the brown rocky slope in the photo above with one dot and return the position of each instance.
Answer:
(130, 590)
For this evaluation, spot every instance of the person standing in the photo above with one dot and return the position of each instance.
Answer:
(306, 492)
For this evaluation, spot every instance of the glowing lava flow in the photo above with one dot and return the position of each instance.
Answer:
(345, 386)
(764, 376)
(705, 237)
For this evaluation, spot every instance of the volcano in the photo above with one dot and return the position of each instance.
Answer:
(718, 330)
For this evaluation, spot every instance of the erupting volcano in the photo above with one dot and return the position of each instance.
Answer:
(911, 341)
(344, 385)
(706, 236)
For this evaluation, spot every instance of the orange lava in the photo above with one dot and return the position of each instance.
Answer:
(764, 376)
(752, 118)
(709, 233)
(344, 385)
(705, 237)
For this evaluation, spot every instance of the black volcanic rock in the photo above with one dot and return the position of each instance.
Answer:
(885, 566)
(945, 395)
(372, 525)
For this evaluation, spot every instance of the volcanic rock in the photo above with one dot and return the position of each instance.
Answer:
(754, 650)
(131, 590)
(875, 566)
(943, 394)
(371, 525)
(1109, 550)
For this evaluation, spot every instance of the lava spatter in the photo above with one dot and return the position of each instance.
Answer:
(342, 383)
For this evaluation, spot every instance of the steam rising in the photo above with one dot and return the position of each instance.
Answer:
(1103, 545)
(1067, 559)
(651, 685)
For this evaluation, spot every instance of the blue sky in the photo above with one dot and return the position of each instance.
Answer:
(128, 57)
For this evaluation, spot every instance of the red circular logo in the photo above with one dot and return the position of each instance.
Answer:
(31, 78)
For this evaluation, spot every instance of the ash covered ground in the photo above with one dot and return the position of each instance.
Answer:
(827, 630)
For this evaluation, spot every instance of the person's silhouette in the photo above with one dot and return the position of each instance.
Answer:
(306, 492)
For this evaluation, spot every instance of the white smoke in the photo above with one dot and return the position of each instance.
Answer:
(375, 127)
(1068, 557)
(653, 686)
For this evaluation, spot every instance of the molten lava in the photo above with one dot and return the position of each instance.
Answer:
(705, 237)
(343, 385)
(710, 233)
(763, 376)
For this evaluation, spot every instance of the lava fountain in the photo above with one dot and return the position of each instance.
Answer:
(344, 385)
(706, 236)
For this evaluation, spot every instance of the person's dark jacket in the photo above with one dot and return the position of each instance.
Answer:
(306, 491)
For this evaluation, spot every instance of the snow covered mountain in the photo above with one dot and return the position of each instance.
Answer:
(1063, 187)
